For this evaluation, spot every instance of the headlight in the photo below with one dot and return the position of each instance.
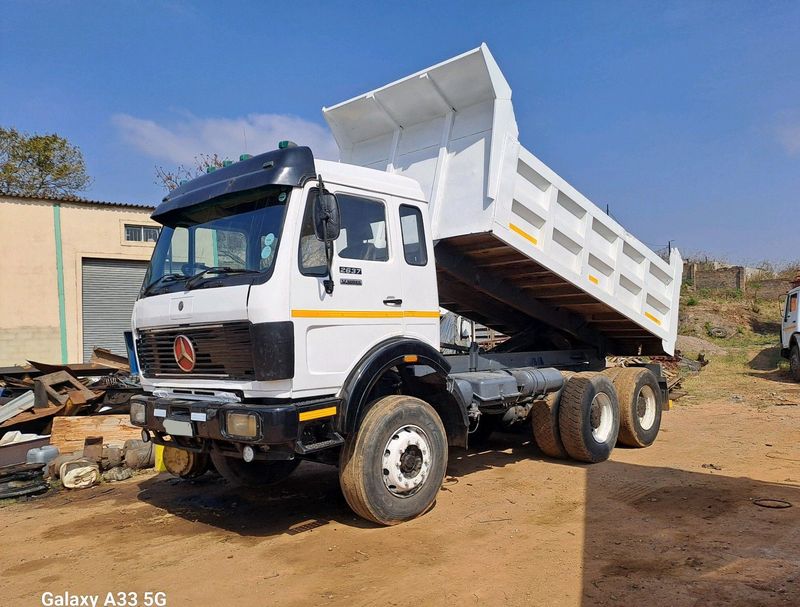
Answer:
(138, 413)
(244, 425)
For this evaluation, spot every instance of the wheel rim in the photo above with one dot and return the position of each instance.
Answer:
(406, 461)
(601, 417)
(646, 407)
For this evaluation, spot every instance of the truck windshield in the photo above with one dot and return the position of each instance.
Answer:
(222, 242)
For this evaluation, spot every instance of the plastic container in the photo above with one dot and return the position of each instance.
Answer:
(42, 455)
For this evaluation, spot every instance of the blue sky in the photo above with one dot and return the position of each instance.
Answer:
(683, 117)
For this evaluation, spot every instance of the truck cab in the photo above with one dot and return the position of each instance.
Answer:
(240, 303)
(790, 335)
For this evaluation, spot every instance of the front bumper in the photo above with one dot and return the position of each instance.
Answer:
(201, 425)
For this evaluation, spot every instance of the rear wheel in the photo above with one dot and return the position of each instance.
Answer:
(544, 421)
(794, 362)
(258, 473)
(639, 406)
(588, 417)
(392, 467)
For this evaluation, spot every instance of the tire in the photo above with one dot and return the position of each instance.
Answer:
(258, 473)
(639, 406)
(588, 417)
(397, 430)
(612, 372)
(794, 362)
(185, 464)
(544, 422)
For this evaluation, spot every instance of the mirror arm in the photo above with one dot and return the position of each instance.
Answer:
(328, 282)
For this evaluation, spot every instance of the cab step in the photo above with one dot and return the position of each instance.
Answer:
(334, 441)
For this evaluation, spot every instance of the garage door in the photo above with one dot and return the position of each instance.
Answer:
(110, 286)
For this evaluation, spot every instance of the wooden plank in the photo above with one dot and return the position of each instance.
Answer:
(68, 433)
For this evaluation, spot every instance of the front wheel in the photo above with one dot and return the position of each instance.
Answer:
(259, 473)
(794, 362)
(392, 467)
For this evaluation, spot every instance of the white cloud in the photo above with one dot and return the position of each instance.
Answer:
(180, 142)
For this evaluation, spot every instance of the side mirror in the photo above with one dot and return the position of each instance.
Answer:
(326, 217)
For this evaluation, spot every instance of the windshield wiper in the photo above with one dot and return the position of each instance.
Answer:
(162, 279)
(194, 280)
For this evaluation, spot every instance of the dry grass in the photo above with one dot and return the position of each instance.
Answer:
(752, 350)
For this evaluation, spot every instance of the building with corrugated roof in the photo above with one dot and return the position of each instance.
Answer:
(70, 270)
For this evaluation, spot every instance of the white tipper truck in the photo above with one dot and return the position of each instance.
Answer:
(291, 309)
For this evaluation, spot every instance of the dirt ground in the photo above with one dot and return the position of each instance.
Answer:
(673, 524)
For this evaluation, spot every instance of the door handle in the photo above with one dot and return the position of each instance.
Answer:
(393, 301)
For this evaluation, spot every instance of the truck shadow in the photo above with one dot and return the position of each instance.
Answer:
(310, 498)
(766, 360)
(664, 536)
(647, 534)
(767, 365)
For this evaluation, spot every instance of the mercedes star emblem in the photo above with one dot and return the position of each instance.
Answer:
(183, 350)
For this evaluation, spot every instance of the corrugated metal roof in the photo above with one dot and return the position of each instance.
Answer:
(79, 200)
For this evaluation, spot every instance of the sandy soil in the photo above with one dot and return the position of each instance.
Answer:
(655, 526)
(687, 344)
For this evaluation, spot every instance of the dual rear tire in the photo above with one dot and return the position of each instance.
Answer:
(592, 411)
(640, 405)
(589, 417)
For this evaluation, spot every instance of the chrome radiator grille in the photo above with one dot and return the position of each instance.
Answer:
(221, 351)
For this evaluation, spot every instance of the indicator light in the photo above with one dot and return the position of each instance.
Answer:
(243, 425)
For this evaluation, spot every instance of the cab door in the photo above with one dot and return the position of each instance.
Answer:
(334, 330)
(418, 269)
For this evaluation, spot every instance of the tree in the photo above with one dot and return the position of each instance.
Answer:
(171, 179)
(40, 165)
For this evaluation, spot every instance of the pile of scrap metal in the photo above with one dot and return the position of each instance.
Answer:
(34, 395)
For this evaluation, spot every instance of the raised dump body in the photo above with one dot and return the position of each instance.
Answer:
(518, 248)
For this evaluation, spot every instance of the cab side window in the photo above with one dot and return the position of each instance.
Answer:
(414, 249)
(791, 306)
(312, 251)
(363, 234)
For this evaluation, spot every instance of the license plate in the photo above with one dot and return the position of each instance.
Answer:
(177, 428)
